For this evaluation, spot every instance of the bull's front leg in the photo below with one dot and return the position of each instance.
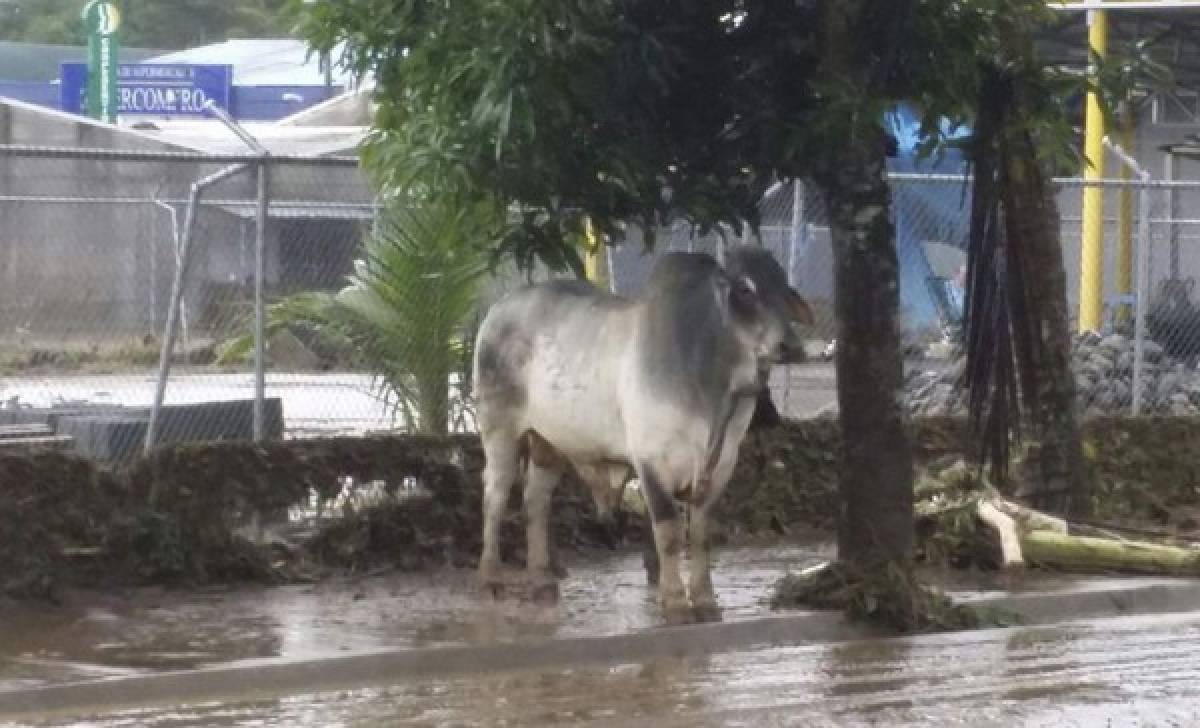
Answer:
(700, 587)
(668, 542)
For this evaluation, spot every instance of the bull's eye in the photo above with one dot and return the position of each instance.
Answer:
(744, 292)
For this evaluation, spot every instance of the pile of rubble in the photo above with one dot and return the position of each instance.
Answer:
(1103, 368)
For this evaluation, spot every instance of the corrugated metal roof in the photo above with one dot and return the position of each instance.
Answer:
(305, 211)
(1175, 35)
(261, 62)
(209, 135)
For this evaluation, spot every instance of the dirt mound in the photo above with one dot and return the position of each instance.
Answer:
(182, 514)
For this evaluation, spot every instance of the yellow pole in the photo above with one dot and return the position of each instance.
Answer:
(1125, 214)
(595, 260)
(1091, 288)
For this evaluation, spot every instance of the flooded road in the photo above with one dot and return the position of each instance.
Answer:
(149, 630)
(1130, 671)
(423, 650)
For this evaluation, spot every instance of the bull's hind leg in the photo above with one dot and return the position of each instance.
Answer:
(499, 474)
(668, 542)
(650, 553)
(539, 489)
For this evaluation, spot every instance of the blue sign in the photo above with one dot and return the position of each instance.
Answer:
(154, 89)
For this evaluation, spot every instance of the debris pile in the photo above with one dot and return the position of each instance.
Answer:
(1103, 369)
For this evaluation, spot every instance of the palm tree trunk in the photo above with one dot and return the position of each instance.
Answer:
(1031, 217)
(433, 409)
(876, 522)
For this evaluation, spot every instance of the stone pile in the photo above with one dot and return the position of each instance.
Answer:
(1103, 368)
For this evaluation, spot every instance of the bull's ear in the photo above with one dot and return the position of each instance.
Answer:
(801, 311)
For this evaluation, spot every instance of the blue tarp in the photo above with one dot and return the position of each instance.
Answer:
(924, 212)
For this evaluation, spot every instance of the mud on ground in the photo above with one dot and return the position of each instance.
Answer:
(179, 516)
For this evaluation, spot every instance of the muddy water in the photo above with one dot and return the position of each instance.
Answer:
(1128, 671)
(1119, 672)
(155, 630)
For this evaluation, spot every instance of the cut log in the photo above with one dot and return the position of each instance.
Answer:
(1088, 554)
(1029, 537)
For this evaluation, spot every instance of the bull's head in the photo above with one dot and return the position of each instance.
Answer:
(764, 306)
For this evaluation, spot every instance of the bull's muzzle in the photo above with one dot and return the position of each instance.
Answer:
(791, 349)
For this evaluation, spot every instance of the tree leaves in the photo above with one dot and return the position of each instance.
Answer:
(622, 111)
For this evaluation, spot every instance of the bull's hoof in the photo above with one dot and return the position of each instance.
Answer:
(493, 590)
(652, 576)
(706, 612)
(652, 571)
(546, 593)
(491, 582)
(678, 614)
(675, 606)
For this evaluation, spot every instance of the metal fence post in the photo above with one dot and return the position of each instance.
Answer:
(1143, 257)
(171, 328)
(260, 262)
(260, 316)
(1143, 277)
(797, 227)
(1172, 216)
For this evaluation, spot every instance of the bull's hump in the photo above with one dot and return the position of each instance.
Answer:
(564, 290)
(678, 271)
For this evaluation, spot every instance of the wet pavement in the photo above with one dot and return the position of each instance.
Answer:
(397, 649)
(1131, 671)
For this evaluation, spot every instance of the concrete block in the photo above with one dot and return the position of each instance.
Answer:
(218, 421)
(111, 438)
(115, 433)
(117, 436)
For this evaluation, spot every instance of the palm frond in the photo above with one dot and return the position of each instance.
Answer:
(998, 329)
(407, 307)
(312, 310)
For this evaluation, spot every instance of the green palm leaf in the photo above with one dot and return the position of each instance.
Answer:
(408, 309)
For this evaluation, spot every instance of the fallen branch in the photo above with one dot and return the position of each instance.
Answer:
(1011, 554)
(1086, 553)
(1028, 537)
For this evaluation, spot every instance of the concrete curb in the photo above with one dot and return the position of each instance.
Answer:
(271, 678)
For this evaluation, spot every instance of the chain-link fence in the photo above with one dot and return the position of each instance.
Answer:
(103, 252)
(1142, 265)
(108, 258)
